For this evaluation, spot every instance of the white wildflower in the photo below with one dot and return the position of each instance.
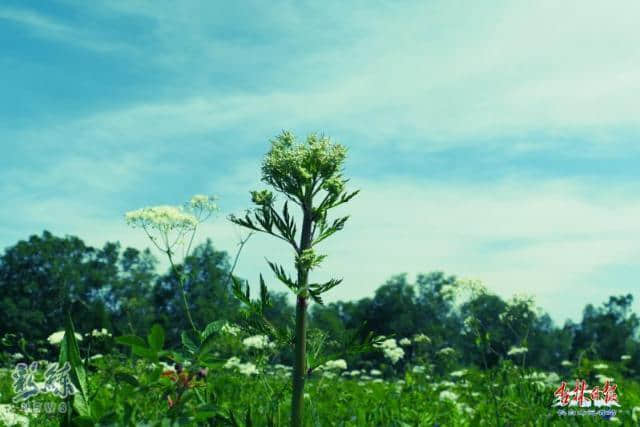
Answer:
(247, 369)
(378, 381)
(552, 378)
(625, 357)
(256, 341)
(339, 364)
(421, 338)
(354, 373)
(391, 350)
(603, 378)
(232, 362)
(167, 367)
(514, 351)
(10, 418)
(17, 356)
(418, 369)
(447, 395)
(405, 342)
(56, 337)
(100, 333)
(446, 351)
(375, 373)
(162, 218)
(566, 363)
(230, 329)
(600, 366)
(328, 375)
(458, 374)
(446, 384)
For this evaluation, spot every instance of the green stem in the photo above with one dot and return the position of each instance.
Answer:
(180, 278)
(299, 365)
(299, 371)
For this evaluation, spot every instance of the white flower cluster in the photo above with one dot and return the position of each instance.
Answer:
(446, 352)
(244, 368)
(458, 374)
(418, 369)
(56, 337)
(335, 365)
(230, 329)
(258, 341)
(514, 351)
(600, 366)
(603, 378)
(405, 342)
(542, 380)
(447, 395)
(391, 350)
(162, 218)
(421, 338)
(100, 333)
(625, 357)
(10, 418)
(566, 363)
(202, 204)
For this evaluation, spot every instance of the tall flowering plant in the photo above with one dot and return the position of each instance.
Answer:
(308, 175)
(172, 229)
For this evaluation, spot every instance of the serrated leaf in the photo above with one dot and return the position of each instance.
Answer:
(212, 328)
(188, 343)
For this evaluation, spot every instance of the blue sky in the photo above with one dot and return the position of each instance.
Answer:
(496, 142)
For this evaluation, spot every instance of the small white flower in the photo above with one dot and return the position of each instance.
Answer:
(625, 357)
(600, 366)
(232, 362)
(566, 363)
(446, 351)
(167, 367)
(339, 364)
(377, 381)
(418, 369)
(10, 418)
(230, 329)
(405, 342)
(56, 337)
(458, 374)
(391, 350)
(354, 373)
(257, 341)
(514, 351)
(603, 378)
(17, 356)
(247, 369)
(421, 338)
(375, 373)
(447, 395)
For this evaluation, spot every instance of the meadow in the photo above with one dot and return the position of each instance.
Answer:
(96, 337)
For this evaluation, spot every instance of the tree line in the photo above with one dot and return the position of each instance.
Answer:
(119, 289)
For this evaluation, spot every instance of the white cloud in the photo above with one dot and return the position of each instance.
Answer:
(53, 29)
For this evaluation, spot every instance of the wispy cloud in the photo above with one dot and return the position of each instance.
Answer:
(51, 29)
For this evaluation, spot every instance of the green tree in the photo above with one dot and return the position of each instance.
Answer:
(45, 276)
(304, 173)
